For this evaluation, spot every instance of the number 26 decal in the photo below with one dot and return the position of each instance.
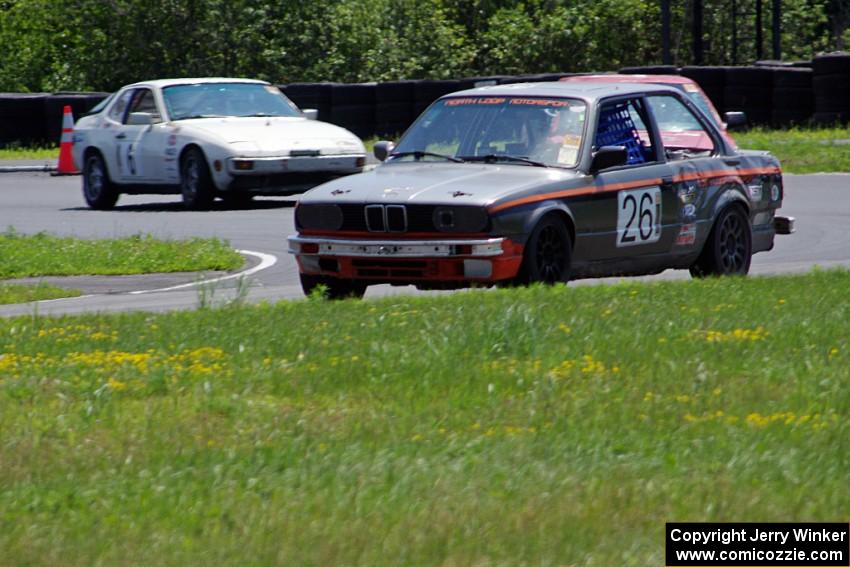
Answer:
(638, 216)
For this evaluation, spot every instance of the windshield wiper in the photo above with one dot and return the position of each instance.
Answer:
(493, 158)
(193, 116)
(418, 155)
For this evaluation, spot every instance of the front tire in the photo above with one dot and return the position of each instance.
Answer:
(335, 288)
(548, 253)
(99, 191)
(196, 183)
(729, 248)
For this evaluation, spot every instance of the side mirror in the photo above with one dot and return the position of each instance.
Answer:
(310, 113)
(140, 119)
(608, 156)
(383, 149)
(735, 119)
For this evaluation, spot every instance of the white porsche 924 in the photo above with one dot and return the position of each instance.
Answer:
(207, 138)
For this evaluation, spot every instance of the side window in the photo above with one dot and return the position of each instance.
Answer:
(144, 102)
(682, 133)
(622, 123)
(119, 109)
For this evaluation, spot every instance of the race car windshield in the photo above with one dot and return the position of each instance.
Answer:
(204, 100)
(539, 131)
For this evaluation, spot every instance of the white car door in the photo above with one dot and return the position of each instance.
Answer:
(150, 149)
(112, 137)
(133, 165)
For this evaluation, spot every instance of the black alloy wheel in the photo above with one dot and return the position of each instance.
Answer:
(729, 248)
(548, 253)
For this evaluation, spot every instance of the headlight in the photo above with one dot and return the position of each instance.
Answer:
(244, 147)
(460, 219)
(318, 217)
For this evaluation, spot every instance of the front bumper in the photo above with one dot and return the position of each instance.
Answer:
(408, 261)
(288, 175)
(336, 163)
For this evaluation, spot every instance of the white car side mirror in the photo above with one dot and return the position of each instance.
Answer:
(311, 113)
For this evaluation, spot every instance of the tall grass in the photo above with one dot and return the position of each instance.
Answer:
(535, 426)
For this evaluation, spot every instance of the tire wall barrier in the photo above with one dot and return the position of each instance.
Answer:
(772, 93)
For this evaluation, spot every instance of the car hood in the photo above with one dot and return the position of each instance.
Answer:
(257, 136)
(433, 183)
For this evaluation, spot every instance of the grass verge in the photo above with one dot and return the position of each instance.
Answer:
(46, 255)
(13, 293)
(802, 150)
(531, 426)
(18, 152)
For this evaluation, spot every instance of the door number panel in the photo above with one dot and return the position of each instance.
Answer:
(638, 216)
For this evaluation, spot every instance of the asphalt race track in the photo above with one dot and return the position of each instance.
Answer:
(34, 202)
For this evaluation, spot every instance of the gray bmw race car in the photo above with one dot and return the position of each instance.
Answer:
(543, 182)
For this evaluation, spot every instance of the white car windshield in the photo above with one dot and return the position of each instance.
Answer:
(209, 100)
(503, 129)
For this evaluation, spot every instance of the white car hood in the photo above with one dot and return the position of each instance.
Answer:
(269, 136)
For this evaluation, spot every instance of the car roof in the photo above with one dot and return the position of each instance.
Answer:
(589, 91)
(639, 78)
(162, 83)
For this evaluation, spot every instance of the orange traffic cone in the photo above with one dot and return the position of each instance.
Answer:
(66, 159)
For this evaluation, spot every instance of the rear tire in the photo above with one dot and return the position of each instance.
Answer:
(729, 248)
(548, 253)
(99, 191)
(195, 180)
(335, 288)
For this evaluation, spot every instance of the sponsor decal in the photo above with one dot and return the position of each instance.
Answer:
(172, 140)
(688, 192)
(754, 191)
(541, 102)
(775, 193)
(548, 102)
(687, 235)
(474, 100)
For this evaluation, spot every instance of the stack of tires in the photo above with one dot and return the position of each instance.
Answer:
(311, 95)
(54, 107)
(353, 107)
(426, 92)
(831, 85)
(750, 89)
(651, 70)
(22, 119)
(475, 82)
(535, 78)
(712, 80)
(793, 100)
(393, 108)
